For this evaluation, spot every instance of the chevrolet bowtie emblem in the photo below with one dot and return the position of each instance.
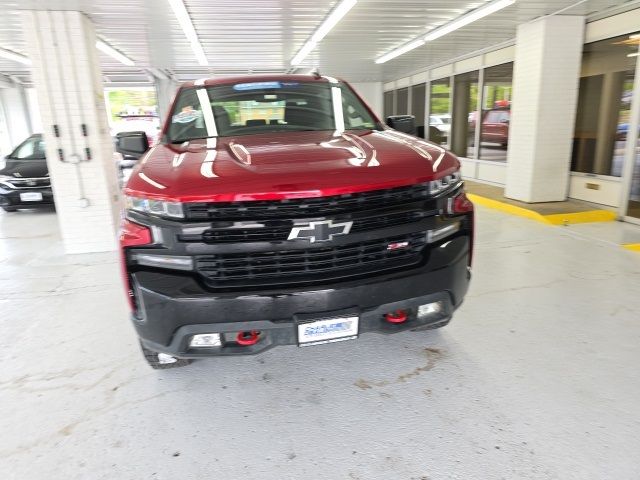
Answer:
(319, 231)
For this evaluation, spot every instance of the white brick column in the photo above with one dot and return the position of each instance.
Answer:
(66, 73)
(165, 91)
(545, 93)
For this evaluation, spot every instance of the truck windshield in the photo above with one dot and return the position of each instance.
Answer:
(261, 107)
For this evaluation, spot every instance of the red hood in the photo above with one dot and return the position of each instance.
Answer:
(287, 165)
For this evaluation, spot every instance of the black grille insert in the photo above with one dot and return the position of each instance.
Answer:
(311, 265)
(279, 231)
(306, 207)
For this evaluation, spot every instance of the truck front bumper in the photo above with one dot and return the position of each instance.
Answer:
(174, 308)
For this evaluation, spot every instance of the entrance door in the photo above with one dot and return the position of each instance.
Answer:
(631, 173)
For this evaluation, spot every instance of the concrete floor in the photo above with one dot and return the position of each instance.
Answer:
(536, 378)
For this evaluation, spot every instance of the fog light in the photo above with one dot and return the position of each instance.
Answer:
(443, 232)
(164, 261)
(429, 309)
(205, 340)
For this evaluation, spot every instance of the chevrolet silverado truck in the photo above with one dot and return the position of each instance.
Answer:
(279, 210)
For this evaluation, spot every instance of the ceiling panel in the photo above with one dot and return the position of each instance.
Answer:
(241, 36)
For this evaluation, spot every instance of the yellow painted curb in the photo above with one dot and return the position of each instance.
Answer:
(555, 219)
(635, 247)
(591, 216)
(506, 208)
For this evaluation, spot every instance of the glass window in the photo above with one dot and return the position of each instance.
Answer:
(418, 93)
(133, 109)
(356, 115)
(388, 104)
(439, 116)
(496, 112)
(402, 99)
(261, 107)
(31, 149)
(465, 106)
(604, 103)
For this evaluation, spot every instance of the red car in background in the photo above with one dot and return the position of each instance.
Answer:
(495, 125)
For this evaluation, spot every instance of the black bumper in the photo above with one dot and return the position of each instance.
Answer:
(176, 307)
(11, 198)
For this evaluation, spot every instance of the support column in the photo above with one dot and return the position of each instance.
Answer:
(16, 112)
(545, 86)
(70, 93)
(165, 91)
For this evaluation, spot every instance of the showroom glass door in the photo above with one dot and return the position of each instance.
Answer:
(631, 174)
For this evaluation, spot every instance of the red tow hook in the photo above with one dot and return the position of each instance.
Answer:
(248, 338)
(399, 316)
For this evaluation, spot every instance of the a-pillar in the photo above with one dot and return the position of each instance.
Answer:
(67, 78)
(165, 92)
(545, 93)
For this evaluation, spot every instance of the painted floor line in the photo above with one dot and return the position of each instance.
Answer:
(565, 219)
(590, 216)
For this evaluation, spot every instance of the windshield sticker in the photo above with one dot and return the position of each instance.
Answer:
(187, 115)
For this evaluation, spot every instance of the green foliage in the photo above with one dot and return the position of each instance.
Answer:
(121, 100)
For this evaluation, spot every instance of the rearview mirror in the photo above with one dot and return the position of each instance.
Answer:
(403, 123)
(132, 144)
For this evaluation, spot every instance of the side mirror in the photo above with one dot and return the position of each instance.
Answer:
(403, 123)
(132, 144)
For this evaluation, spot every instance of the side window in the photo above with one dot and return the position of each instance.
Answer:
(355, 114)
(493, 116)
(186, 119)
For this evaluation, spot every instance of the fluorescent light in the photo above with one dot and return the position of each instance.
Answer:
(303, 52)
(16, 57)
(399, 51)
(189, 31)
(455, 24)
(325, 27)
(633, 55)
(113, 53)
(332, 19)
(468, 18)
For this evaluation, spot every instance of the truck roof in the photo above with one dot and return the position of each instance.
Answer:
(256, 78)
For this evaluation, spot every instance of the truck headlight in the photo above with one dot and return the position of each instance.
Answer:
(159, 208)
(444, 183)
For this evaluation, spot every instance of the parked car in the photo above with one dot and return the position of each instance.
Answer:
(24, 178)
(314, 224)
(495, 126)
(442, 123)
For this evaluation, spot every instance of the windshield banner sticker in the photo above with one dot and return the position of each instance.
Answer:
(187, 115)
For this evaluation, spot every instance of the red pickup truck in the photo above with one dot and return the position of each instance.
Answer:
(279, 210)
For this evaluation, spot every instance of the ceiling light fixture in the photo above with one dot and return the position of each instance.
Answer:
(447, 28)
(104, 47)
(16, 57)
(630, 55)
(185, 22)
(325, 27)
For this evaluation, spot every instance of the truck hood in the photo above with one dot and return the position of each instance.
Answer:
(287, 165)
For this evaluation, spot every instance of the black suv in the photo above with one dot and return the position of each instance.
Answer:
(24, 179)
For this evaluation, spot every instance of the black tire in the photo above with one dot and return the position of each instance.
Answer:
(161, 361)
(9, 209)
(432, 326)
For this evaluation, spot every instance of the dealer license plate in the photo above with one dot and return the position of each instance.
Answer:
(328, 330)
(31, 197)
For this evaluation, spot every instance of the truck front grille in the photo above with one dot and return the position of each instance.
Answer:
(279, 230)
(307, 207)
(312, 265)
